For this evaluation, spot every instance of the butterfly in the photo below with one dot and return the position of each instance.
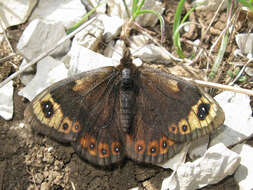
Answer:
(111, 113)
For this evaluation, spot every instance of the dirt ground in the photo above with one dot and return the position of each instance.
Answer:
(30, 161)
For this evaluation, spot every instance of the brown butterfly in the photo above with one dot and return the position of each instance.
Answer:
(111, 113)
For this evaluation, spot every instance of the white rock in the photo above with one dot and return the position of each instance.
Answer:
(174, 162)
(245, 42)
(244, 174)
(117, 8)
(67, 12)
(115, 50)
(50, 149)
(112, 26)
(149, 19)
(27, 75)
(238, 118)
(39, 37)
(85, 39)
(210, 5)
(6, 101)
(135, 188)
(21, 125)
(14, 12)
(137, 62)
(1, 37)
(170, 183)
(237, 53)
(141, 47)
(249, 71)
(45, 186)
(152, 53)
(249, 56)
(196, 45)
(49, 71)
(82, 59)
(217, 163)
(198, 147)
(138, 41)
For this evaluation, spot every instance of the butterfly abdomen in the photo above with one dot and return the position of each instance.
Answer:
(127, 99)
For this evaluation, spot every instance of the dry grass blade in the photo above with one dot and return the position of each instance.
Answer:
(241, 71)
(221, 86)
(8, 57)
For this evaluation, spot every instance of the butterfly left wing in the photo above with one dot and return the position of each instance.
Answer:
(101, 143)
(170, 111)
(81, 111)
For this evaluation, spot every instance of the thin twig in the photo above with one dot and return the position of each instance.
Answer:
(127, 10)
(228, 25)
(221, 86)
(215, 15)
(73, 185)
(223, 45)
(199, 46)
(208, 28)
(33, 177)
(8, 57)
(44, 54)
(12, 54)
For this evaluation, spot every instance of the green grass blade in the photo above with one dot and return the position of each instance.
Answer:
(162, 23)
(84, 19)
(246, 3)
(176, 35)
(134, 6)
